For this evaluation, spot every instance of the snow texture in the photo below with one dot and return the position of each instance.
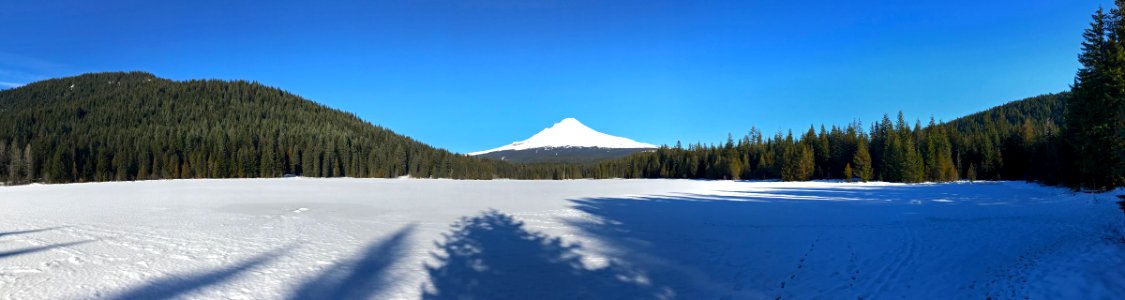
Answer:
(570, 133)
(302, 238)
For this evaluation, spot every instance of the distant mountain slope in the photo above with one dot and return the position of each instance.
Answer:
(568, 141)
(1042, 111)
(1021, 139)
(128, 126)
(562, 154)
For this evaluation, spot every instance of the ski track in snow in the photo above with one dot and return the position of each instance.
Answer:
(616, 239)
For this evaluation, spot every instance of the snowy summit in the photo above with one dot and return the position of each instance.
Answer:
(571, 133)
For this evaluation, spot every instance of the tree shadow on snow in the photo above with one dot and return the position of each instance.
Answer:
(757, 244)
(492, 256)
(13, 253)
(749, 245)
(363, 277)
(978, 193)
(3, 234)
(179, 285)
(8, 254)
(688, 244)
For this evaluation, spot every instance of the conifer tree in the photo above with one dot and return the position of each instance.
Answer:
(4, 158)
(913, 169)
(28, 162)
(862, 161)
(1096, 114)
(807, 163)
(15, 164)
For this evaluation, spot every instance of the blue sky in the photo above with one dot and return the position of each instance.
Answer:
(473, 75)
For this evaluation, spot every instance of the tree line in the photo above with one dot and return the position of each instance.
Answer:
(135, 126)
(1076, 139)
(1096, 115)
(1002, 143)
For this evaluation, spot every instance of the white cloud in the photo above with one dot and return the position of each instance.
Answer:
(4, 84)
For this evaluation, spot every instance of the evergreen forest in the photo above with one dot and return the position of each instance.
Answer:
(135, 126)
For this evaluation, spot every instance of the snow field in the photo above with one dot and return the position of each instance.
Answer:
(303, 238)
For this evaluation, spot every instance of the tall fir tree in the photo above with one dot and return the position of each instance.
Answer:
(1095, 114)
(862, 161)
(4, 158)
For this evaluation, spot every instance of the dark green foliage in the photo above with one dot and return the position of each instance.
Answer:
(577, 155)
(132, 126)
(797, 160)
(862, 161)
(135, 126)
(1018, 140)
(1096, 113)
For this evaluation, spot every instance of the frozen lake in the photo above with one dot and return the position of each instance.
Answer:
(304, 238)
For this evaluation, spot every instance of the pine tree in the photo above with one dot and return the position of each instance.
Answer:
(862, 161)
(4, 159)
(28, 164)
(1095, 113)
(790, 164)
(734, 165)
(15, 164)
(913, 169)
(894, 159)
(808, 162)
(848, 176)
(943, 155)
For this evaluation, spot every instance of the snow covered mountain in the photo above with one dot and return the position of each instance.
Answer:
(567, 141)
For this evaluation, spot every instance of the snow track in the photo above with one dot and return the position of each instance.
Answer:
(301, 238)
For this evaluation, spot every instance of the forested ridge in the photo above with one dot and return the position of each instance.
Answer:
(1076, 138)
(135, 126)
(1015, 141)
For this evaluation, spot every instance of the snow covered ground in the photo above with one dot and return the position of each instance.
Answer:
(307, 238)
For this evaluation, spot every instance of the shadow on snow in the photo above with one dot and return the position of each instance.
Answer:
(813, 242)
(362, 278)
(3, 234)
(13, 253)
(178, 285)
(492, 256)
(38, 249)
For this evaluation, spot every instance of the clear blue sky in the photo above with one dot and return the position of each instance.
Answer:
(472, 75)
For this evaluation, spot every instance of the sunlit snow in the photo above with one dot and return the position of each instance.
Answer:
(302, 238)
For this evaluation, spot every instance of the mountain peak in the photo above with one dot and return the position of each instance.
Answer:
(571, 126)
(570, 121)
(570, 133)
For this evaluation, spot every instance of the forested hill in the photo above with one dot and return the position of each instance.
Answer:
(1018, 140)
(132, 126)
(1041, 112)
(129, 126)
